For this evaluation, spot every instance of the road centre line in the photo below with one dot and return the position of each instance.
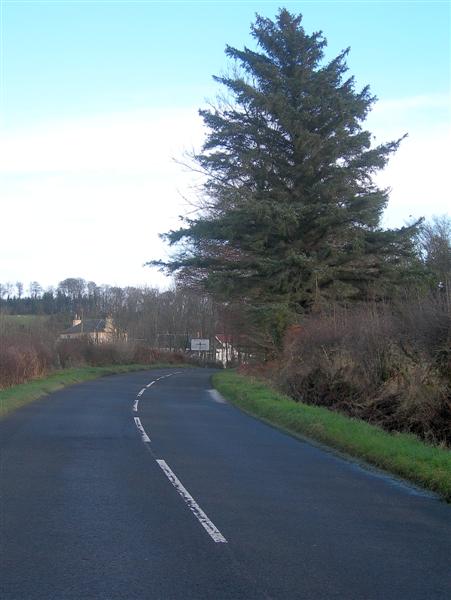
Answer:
(169, 375)
(208, 525)
(141, 392)
(145, 438)
(200, 515)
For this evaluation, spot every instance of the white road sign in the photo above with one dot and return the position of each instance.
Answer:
(200, 345)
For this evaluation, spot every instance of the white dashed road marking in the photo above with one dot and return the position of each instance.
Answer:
(136, 402)
(208, 525)
(151, 383)
(145, 438)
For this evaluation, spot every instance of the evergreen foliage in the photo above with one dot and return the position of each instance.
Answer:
(292, 214)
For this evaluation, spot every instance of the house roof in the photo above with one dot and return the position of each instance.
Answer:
(88, 326)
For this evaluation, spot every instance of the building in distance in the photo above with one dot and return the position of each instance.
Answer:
(100, 331)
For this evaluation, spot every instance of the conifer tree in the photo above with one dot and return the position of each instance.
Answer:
(293, 214)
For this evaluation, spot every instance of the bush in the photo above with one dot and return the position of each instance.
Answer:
(144, 354)
(23, 359)
(83, 351)
(387, 365)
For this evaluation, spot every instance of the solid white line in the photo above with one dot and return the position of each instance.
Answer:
(135, 405)
(145, 438)
(209, 527)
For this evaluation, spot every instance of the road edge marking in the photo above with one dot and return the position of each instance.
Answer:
(216, 396)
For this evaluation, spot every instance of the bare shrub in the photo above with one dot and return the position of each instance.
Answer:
(145, 355)
(389, 365)
(22, 359)
(71, 353)
(428, 322)
(83, 351)
(100, 355)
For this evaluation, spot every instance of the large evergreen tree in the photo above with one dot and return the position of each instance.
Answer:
(292, 215)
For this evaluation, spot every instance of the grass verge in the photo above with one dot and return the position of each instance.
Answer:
(18, 395)
(401, 454)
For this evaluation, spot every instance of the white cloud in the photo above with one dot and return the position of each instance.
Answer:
(88, 197)
(418, 173)
(418, 177)
(138, 141)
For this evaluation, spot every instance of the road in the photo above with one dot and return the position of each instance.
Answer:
(121, 488)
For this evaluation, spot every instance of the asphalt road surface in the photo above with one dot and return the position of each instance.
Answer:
(121, 488)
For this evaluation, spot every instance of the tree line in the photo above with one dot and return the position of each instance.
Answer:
(161, 318)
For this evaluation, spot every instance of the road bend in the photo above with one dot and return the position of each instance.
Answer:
(150, 486)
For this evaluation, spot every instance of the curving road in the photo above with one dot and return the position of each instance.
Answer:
(149, 486)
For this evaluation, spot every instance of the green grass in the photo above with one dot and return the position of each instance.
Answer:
(401, 454)
(18, 395)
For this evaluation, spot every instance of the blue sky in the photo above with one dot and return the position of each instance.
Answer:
(67, 58)
(97, 97)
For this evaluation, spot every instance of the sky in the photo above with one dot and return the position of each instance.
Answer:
(99, 105)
